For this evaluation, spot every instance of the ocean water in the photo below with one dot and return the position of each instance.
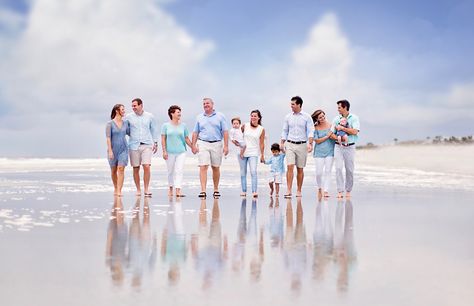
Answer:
(403, 239)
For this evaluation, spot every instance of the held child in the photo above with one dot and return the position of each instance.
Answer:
(277, 169)
(341, 135)
(237, 137)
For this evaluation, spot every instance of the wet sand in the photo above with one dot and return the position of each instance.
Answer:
(387, 245)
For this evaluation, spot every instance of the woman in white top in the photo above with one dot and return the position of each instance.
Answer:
(254, 138)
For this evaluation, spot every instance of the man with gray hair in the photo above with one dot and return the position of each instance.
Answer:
(210, 143)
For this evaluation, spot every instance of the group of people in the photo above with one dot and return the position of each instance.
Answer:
(333, 142)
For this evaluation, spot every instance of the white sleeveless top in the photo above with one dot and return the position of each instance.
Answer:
(252, 140)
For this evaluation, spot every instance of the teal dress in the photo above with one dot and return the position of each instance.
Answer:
(325, 148)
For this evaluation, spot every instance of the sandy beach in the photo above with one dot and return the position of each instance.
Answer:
(400, 240)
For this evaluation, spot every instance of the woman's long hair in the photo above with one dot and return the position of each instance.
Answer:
(114, 110)
(256, 111)
(315, 116)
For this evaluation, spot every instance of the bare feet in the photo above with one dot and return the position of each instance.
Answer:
(138, 193)
(243, 194)
(348, 195)
(339, 195)
(326, 194)
(255, 195)
(298, 194)
(170, 191)
(320, 193)
(277, 195)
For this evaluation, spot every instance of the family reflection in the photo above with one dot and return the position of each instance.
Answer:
(173, 241)
(322, 240)
(251, 237)
(344, 248)
(209, 246)
(130, 248)
(295, 244)
(116, 244)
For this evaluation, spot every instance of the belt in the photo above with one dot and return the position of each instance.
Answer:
(142, 143)
(345, 145)
(296, 142)
(210, 141)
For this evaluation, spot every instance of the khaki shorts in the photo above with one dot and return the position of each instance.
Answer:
(210, 153)
(142, 156)
(296, 154)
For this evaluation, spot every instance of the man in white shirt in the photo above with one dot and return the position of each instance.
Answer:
(298, 135)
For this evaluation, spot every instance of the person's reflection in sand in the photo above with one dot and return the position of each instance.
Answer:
(238, 250)
(276, 224)
(116, 242)
(294, 244)
(322, 240)
(344, 249)
(173, 241)
(209, 247)
(256, 244)
(142, 246)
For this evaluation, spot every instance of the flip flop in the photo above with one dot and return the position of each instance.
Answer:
(148, 195)
(287, 196)
(202, 194)
(216, 194)
(180, 195)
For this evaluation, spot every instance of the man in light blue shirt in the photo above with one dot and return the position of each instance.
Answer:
(344, 154)
(143, 143)
(298, 135)
(210, 142)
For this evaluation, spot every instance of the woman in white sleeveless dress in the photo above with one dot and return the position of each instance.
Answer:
(254, 138)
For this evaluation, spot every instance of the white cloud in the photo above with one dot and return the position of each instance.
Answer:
(78, 55)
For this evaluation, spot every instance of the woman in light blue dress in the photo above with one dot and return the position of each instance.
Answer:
(117, 147)
(323, 152)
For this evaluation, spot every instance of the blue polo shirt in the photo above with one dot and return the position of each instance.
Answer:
(353, 122)
(210, 127)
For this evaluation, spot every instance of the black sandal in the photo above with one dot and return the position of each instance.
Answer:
(216, 194)
(202, 194)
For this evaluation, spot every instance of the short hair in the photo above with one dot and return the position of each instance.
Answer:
(275, 147)
(172, 109)
(256, 111)
(210, 100)
(114, 110)
(316, 114)
(138, 100)
(235, 118)
(344, 104)
(297, 100)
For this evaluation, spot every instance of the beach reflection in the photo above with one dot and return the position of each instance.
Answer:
(344, 248)
(130, 248)
(326, 257)
(295, 244)
(173, 242)
(209, 246)
(116, 244)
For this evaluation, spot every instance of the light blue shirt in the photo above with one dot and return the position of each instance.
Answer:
(277, 163)
(352, 121)
(175, 137)
(325, 148)
(143, 129)
(297, 127)
(210, 127)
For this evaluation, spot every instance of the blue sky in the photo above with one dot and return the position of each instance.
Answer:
(405, 65)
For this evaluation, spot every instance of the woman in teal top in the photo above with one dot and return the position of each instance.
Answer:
(323, 152)
(174, 138)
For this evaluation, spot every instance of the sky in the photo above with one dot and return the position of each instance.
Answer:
(405, 66)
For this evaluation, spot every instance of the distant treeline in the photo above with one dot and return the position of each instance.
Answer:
(435, 140)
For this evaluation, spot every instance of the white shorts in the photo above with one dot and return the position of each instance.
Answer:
(275, 178)
(210, 153)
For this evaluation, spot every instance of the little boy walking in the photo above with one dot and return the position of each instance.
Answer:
(277, 168)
